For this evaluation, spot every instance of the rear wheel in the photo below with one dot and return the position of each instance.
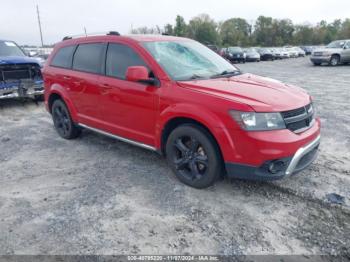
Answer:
(334, 60)
(194, 156)
(63, 121)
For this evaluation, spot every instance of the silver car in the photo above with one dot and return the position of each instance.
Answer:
(333, 54)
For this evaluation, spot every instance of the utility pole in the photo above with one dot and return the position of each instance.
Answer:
(85, 31)
(41, 33)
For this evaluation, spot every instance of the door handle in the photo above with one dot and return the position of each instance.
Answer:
(66, 77)
(78, 83)
(105, 86)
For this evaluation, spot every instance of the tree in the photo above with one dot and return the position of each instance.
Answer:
(303, 35)
(235, 31)
(180, 28)
(344, 31)
(263, 31)
(146, 30)
(168, 29)
(282, 32)
(203, 29)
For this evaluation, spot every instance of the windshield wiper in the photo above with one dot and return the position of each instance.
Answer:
(194, 77)
(226, 73)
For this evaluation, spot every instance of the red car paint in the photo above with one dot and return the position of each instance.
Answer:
(140, 112)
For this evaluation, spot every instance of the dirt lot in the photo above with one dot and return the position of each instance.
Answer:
(95, 195)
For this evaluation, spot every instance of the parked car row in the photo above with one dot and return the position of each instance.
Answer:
(335, 53)
(236, 54)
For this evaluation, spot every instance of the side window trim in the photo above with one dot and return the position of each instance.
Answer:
(71, 59)
(103, 58)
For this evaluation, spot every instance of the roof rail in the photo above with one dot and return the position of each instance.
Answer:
(66, 38)
(115, 33)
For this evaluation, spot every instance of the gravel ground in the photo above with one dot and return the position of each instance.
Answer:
(95, 195)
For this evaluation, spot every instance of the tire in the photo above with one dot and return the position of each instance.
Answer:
(335, 59)
(39, 98)
(63, 122)
(194, 156)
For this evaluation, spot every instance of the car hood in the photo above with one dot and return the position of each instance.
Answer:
(16, 60)
(261, 93)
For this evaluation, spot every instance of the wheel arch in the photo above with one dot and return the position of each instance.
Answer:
(58, 92)
(176, 122)
(180, 114)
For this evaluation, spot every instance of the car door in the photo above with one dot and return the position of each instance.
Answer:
(62, 74)
(129, 108)
(88, 65)
(346, 52)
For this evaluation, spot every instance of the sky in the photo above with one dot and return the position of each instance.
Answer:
(59, 18)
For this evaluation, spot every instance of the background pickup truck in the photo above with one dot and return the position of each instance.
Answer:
(20, 75)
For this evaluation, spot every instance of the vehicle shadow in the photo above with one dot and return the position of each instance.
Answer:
(9, 103)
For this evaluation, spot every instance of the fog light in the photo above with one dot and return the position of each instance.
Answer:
(276, 166)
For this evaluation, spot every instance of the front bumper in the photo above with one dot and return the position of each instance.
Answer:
(277, 168)
(237, 59)
(266, 57)
(21, 89)
(252, 58)
(320, 59)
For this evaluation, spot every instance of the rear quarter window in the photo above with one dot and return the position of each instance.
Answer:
(89, 58)
(63, 57)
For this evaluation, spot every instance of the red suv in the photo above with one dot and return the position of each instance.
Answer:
(179, 98)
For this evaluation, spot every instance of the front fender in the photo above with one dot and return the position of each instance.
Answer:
(202, 115)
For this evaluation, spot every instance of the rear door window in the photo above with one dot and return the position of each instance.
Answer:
(89, 58)
(119, 58)
(63, 57)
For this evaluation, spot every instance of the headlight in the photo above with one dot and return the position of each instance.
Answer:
(252, 121)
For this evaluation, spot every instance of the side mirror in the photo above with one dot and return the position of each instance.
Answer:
(345, 47)
(140, 74)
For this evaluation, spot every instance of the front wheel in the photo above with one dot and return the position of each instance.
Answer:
(63, 122)
(334, 60)
(194, 156)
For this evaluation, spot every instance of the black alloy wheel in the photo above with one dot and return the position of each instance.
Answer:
(194, 156)
(62, 121)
